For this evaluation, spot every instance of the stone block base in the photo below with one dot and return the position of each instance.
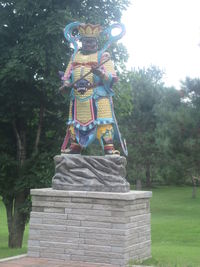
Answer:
(97, 227)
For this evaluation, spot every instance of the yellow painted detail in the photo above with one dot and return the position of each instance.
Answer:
(70, 110)
(88, 93)
(83, 68)
(80, 58)
(108, 66)
(72, 133)
(89, 30)
(83, 111)
(102, 129)
(71, 129)
(104, 108)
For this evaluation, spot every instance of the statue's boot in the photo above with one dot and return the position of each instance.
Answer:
(110, 150)
(73, 149)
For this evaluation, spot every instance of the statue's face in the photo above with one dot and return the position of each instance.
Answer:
(89, 44)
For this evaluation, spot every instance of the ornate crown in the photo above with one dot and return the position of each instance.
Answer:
(89, 30)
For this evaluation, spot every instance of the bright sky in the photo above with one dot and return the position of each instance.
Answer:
(165, 33)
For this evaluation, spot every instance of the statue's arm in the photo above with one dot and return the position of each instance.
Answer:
(68, 74)
(109, 69)
(67, 79)
(106, 72)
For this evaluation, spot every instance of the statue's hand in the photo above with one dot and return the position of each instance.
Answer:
(64, 88)
(98, 71)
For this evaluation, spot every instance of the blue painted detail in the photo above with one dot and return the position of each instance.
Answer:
(70, 38)
(108, 85)
(86, 138)
(111, 38)
(72, 96)
(103, 91)
(70, 122)
(82, 127)
(105, 121)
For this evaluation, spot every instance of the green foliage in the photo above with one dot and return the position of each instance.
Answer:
(137, 95)
(191, 88)
(178, 133)
(161, 126)
(99, 12)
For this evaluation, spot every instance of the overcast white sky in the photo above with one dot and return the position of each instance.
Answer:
(165, 33)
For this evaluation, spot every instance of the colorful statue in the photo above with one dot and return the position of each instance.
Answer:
(90, 75)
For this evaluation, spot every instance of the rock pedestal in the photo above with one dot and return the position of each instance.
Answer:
(90, 173)
(98, 227)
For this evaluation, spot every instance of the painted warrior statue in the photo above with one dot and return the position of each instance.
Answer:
(90, 75)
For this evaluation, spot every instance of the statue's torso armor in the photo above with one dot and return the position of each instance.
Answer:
(91, 103)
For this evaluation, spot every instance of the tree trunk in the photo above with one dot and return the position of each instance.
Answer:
(194, 187)
(21, 144)
(16, 219)
(41, 115)
(148, 176)
(138, 184)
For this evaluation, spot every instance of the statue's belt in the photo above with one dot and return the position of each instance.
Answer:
(83, 85)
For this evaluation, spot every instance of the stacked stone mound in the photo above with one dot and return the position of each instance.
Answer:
(90, 173)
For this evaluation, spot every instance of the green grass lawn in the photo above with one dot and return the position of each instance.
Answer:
(175, 229)
(4, 250)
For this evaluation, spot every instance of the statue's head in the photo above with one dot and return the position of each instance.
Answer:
(89, 34)
(89, 44)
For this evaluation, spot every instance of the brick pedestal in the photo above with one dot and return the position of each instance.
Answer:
(93, 227)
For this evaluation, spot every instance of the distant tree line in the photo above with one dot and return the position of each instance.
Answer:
(162, 127)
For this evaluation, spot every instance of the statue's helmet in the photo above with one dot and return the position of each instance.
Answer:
(88, 36)
(89, 30)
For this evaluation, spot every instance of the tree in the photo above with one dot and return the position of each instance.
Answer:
(170, 111)
(31, 112)
(191, 125)
(178, 132)
(139, 92)
(28, 82)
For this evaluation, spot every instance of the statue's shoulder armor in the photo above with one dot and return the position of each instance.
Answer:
(80, 58)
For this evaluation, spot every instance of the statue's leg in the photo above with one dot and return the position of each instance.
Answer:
(74, 148)
(105, 134)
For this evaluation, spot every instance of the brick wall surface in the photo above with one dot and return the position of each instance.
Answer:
(111, 228)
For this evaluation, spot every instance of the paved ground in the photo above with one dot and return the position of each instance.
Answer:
(35, 262)
(26, 261)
